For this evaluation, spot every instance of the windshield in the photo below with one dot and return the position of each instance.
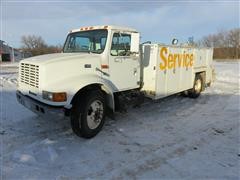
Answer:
(86, 41)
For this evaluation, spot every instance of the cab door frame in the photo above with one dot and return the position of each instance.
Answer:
(124, 70)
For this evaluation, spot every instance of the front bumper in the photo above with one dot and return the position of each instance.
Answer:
(39, 107)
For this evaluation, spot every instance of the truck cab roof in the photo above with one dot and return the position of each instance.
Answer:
(112, 27)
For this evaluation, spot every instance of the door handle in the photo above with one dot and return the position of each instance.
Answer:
(118, 60)
(135, 71)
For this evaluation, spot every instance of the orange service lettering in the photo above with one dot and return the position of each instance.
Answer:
(175, 60)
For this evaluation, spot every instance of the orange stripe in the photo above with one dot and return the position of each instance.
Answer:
(104, 66)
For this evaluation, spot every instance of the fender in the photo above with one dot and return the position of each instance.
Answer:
(72, 85)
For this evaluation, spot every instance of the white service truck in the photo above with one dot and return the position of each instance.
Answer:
(101, 68)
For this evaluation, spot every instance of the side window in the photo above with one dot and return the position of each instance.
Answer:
(121, 44)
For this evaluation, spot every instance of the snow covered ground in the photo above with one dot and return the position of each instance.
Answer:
(172, 138)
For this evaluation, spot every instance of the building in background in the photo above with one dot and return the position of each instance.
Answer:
(10, 54)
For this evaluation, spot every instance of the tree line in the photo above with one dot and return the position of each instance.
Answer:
(226, 44)
(35, 45)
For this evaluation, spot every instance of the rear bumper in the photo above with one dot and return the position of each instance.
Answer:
(39, 107)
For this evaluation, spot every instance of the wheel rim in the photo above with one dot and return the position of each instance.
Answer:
(94, 114)
(198, 86)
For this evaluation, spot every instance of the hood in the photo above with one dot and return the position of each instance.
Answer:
(58, 57)
(63, 67)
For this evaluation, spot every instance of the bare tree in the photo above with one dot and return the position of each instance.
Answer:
(215, 40)
(32, 42)
(222, 39)
(226, 44)
(234, 38)
(36, 45)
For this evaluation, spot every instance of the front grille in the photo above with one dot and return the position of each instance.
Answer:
(29, 74)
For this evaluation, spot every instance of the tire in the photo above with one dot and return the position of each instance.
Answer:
(197, 87)
(88, 114)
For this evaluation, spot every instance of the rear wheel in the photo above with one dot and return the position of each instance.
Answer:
(88, 113)
(197, 87)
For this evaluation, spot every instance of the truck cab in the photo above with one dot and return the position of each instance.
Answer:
(98, 60)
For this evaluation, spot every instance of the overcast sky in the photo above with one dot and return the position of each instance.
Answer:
(158, 21)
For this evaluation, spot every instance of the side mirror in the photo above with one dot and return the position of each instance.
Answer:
(135, 39)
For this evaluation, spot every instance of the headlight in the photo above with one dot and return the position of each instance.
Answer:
(54, 96)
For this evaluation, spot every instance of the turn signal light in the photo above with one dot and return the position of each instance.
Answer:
(55, 97)
(59, 97)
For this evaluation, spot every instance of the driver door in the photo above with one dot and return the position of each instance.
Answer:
(124, 68)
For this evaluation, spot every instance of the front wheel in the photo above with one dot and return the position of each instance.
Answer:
(88, 113)
(197, 87)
